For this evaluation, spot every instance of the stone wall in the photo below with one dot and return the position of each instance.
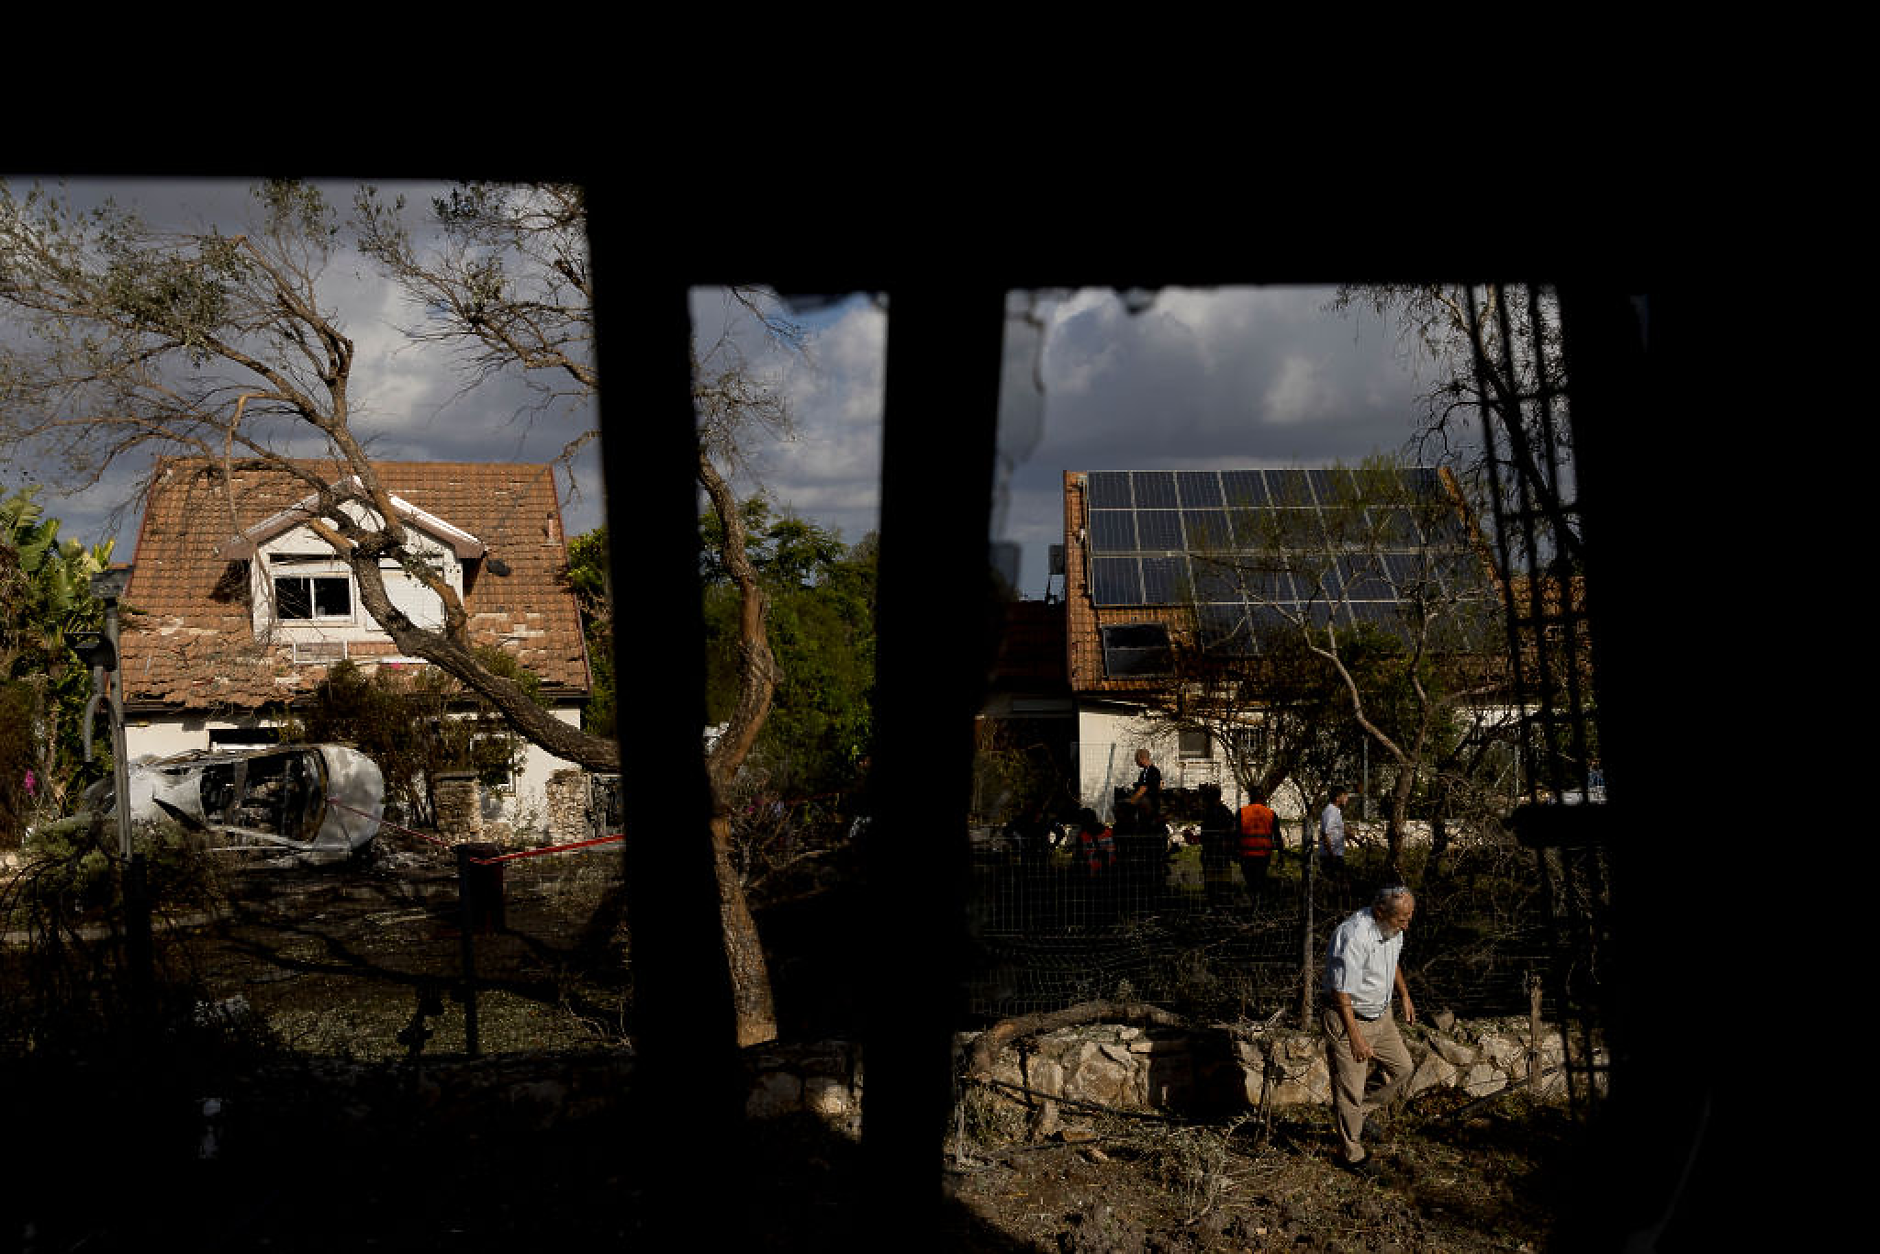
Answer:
(455, 795)
(1114, 1066)
(1132, 1068)
(565, 797)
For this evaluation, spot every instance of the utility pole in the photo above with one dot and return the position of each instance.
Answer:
(101, 652)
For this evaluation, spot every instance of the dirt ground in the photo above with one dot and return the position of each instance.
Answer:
(361, 966)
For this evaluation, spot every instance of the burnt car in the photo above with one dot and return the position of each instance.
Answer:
(319, 802)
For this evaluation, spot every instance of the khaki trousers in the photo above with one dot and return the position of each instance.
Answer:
(1356, 1092)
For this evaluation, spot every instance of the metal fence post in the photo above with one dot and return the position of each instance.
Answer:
(466, 900)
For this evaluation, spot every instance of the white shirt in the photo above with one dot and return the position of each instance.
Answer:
(1332, 831)
(1361, 963)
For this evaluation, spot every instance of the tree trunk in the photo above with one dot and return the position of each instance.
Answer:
(1439, 831)
(986, 1046)
(757, 684)
(744, 949)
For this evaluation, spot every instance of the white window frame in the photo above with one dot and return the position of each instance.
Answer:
(1183, 738)
(277, 575)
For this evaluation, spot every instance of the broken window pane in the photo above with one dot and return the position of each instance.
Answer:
(292, 599)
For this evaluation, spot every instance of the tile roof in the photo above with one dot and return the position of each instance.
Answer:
(189, 643)
(1031, 654)
(1084, 620)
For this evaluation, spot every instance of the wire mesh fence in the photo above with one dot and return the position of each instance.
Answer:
(1052, 927)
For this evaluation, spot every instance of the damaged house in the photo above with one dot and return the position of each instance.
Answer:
(239, 610)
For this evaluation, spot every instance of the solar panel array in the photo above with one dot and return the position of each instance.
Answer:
(1252, 548)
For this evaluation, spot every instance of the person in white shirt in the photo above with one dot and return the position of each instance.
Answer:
(1332, 841)
(1361, 973)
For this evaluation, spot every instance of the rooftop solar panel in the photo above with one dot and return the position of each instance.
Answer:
(1113, 531)
(1155, 489)
(1109, 489)
(1159, 529)
(1115, 581)
(1199, 489)
(1289, 488)
(1244, 487)
(1251, 548)
(1165, 581)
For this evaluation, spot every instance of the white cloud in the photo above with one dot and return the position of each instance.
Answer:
(1297, 393)
(1203, 377)
(831, 470)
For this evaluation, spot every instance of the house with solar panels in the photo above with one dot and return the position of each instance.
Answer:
(240, 609)
(1166, 567)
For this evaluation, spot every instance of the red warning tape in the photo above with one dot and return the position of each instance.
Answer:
(536, 853)
(335, 801)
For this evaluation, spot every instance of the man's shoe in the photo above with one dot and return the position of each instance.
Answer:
(1364, 1168)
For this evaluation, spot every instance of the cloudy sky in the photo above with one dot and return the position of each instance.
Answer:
(1224, 377)
(1234, 377)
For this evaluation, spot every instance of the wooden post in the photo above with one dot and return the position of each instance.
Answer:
(1310, 984)
(1534, 1032)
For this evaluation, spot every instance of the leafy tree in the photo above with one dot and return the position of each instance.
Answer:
(1400, 679)
(1268, 709)
(1491, 347)
(508, 287)
(413, 725)
(45, 585)
(821, 596)
(587, 576)
(1497, 409)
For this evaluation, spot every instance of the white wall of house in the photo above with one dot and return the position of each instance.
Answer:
(1109, 735)
(526, 806)
(1107, 740)
(159, 737)
(523, 805)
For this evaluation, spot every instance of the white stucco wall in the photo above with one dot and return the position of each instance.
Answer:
(1107, 740)
(525, 806)
(161, 737)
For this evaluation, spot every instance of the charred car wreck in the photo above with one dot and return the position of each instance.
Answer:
(320, 803)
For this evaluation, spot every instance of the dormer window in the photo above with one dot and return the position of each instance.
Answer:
(312, 598)
(303, 590)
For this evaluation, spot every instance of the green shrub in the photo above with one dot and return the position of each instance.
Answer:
(414, 725)
(70, 873)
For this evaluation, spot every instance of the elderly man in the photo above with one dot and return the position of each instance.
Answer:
(1361, 972)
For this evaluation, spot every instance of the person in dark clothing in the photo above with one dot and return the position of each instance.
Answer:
(1146, 794)
(1218, 843)
(1030, 833)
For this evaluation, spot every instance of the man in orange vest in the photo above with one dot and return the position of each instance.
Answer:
(1259, 835)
